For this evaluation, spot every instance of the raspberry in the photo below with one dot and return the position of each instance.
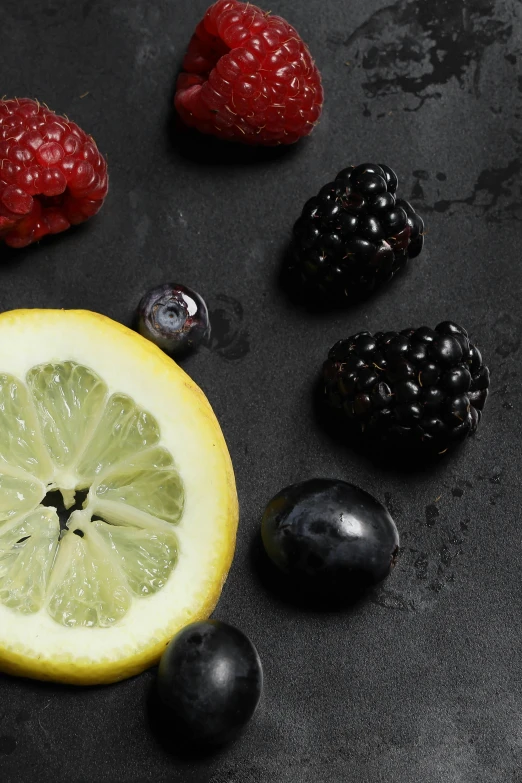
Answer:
(248, 77)
(51, 173)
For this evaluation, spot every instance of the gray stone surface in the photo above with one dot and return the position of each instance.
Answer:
(423, 683)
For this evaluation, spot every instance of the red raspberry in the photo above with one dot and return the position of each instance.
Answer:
(51, 173)
(248, 77)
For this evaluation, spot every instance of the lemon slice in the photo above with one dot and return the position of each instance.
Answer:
(92, 410)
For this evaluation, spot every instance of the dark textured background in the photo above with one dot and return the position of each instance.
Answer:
(422, 684)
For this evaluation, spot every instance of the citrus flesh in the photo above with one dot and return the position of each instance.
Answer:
(88, 406)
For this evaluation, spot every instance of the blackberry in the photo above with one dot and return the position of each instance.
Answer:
(419, 387)
(354, 235)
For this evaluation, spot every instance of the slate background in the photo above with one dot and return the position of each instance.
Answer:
(424, 682)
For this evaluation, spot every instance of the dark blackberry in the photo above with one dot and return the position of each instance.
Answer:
(353, 236)
(420, 387)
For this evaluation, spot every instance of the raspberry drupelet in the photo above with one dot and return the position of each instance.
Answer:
(248, 77)
(52, 175)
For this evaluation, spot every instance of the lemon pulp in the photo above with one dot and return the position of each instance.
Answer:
(62, 430)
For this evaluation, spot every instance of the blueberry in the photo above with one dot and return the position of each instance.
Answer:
(210, 677)
(175, 318)
(330, 534)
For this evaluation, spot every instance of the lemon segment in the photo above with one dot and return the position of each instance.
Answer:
(86, 588)
(68, 398)
(157, 492)
(27, 552)
(19, 494)
(146, 557)
(20, 442)
(124, 429)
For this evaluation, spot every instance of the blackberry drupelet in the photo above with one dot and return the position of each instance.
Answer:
(419, 387)
(354, 235)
